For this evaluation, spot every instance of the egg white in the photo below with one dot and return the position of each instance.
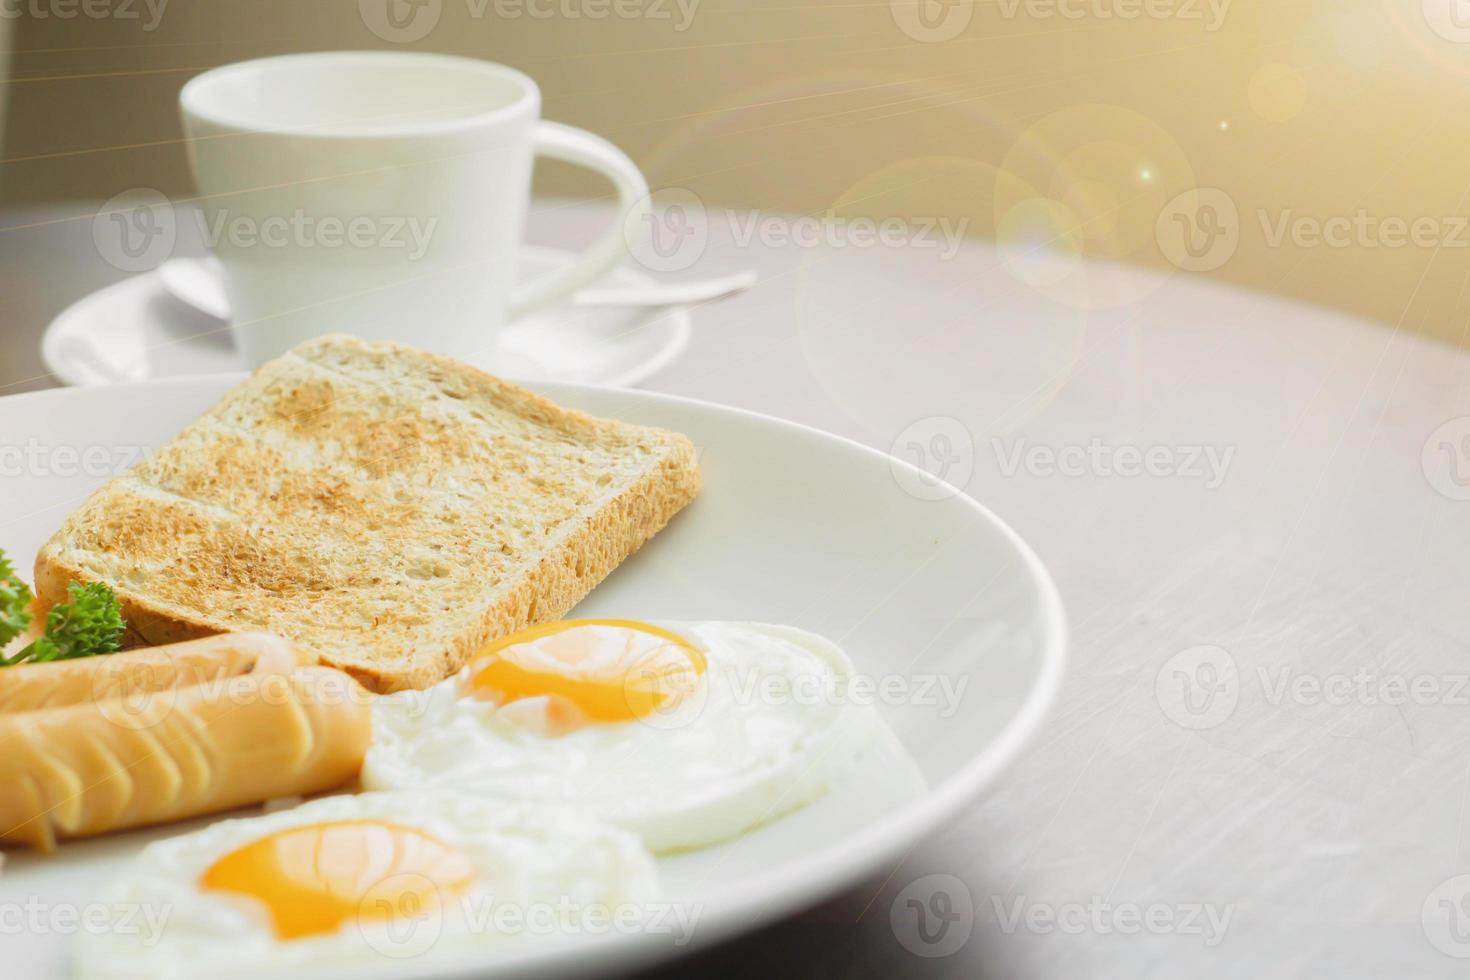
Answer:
(767, 731)
(537, 861)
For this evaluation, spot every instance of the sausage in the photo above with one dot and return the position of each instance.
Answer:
(134, 673)
(107, 764)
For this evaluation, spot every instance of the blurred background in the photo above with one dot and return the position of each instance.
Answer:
(1328, 136)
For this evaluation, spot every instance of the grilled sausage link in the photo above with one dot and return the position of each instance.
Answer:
(29, 687)
(109, 763)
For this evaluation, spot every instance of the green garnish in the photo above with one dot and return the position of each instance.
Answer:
(15, 603)
(88, 624)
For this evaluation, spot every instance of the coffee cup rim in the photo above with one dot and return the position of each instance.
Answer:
(194, 98)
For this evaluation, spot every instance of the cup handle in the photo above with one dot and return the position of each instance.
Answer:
(584, 149)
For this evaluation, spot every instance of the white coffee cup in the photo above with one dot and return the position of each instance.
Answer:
(383, 194)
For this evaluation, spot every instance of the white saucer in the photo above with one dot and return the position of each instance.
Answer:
(134, 331)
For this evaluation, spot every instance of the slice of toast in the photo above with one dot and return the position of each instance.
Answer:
(392, 510)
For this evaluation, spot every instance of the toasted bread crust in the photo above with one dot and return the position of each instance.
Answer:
(568, 573)
(578, 554)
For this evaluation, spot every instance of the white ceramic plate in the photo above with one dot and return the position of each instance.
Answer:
(135, 331)
(794, 526)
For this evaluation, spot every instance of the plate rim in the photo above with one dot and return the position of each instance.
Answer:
(680, 329)
(800, 883)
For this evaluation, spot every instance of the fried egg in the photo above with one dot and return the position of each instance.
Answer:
(355, 881)
(684, 733)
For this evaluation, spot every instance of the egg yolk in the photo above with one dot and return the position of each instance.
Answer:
(610, 669)
(316, 878)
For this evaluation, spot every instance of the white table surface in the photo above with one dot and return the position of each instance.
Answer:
(1307, 821)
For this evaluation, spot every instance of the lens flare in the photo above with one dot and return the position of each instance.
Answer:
(931, 350)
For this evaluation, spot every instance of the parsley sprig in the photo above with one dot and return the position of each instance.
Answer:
(15, 603)
(89, 623)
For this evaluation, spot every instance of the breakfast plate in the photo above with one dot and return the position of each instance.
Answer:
(938, 603)
(135, 331)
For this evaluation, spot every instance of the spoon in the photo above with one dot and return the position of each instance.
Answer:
(668, 294)
(200, 283)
